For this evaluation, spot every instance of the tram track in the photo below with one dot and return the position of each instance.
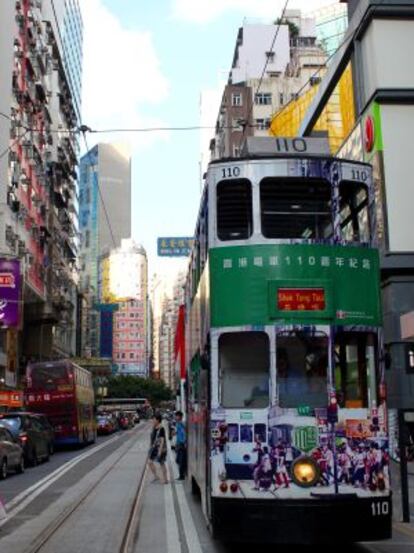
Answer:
(42, 540)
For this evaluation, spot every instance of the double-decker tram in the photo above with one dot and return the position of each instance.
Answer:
(63, 391)
(286, 398)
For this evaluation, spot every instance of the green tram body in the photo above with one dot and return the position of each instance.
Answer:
(278, 328)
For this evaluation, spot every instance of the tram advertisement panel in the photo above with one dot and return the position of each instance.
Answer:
(259, 452)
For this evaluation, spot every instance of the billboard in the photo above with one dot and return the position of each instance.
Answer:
(175, 246)
(9, 292)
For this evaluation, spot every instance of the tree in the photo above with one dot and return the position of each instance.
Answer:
(293, 29)
(124, 386)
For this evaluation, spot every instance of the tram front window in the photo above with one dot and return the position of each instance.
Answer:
(244, 361)
(296, 208)
(234, 210)
(302, 364)
(355, 363)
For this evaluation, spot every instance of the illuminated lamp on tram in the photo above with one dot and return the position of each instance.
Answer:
(305, 472)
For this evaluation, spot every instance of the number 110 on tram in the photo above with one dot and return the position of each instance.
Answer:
(286, 406)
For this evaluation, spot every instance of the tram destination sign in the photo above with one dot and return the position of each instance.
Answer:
(173, 246)
(301, 299)
(265, 146)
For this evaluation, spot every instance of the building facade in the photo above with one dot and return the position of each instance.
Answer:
(104, 220)
(38, 175)
(253, 95)
(124, 275)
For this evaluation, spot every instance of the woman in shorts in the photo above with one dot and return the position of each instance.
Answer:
(158, 449)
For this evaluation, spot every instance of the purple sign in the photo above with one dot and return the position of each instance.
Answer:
(9, 292)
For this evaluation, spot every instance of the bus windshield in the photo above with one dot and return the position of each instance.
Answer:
(302, 363)
(43, 377)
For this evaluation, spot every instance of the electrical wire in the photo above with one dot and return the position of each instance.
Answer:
(18, 139)
(282, 15)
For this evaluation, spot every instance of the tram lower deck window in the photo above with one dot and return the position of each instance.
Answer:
(355, 368)
(234, 210)
(244, 361)
(296, 208)
(301, 364)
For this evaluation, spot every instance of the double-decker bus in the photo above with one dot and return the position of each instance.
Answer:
(287, 423)
(136, 405)
(63, 391)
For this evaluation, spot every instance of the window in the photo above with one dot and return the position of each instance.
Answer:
(244, 361)
(301, 365)
(270, 57)
(236, 99)
(353, 207)
(355, 363)
(263, 124)
(295, 208)
(263, 98)
(234, 209)
(87, 238)
(236, 151)
(131, 356)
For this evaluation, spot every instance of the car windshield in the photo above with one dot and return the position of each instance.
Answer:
(12, 422)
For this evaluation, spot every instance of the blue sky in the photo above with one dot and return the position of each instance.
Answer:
(146, 63)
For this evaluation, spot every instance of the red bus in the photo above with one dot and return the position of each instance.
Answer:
(63, 391)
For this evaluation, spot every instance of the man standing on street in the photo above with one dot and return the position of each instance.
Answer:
(181, 444)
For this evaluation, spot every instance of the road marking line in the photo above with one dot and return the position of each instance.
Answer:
(28, 495)
(191, 534)
(171, 526)
(401, 527)
(71, 462)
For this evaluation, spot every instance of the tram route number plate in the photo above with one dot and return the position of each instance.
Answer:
(380, 508)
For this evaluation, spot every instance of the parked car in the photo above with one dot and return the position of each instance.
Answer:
(11, 453)
(31, 432)
(105, 424)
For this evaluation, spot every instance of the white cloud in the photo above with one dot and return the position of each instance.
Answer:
(204, 12)
(121, 74)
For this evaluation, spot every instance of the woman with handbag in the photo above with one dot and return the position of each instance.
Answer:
(158, 449)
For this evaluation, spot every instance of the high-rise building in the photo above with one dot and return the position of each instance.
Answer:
(124, 284)
(104, 220)
(331, 25)
(253, 95)
(38, 157)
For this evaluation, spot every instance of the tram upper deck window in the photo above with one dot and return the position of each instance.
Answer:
(302, 364)
(353, 208)
(296, 208)
(234, 209)
(355, 368)
(244, 361)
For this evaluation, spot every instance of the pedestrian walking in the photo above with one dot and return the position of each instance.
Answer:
(158, 449)
(180, 445)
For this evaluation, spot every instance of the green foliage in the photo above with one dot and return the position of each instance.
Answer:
(293, 29)
(135, 386)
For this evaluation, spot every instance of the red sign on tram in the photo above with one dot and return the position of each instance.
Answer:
(301, 299)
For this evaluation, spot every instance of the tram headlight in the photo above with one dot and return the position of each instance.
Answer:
(305, 472)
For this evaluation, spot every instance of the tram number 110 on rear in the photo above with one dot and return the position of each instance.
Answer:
(380, 508)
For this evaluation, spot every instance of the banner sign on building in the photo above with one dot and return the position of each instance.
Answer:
(106, 328)
(175, 246)
(9, 292)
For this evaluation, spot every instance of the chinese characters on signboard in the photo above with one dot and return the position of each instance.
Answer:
(175, 246)
(9, 292)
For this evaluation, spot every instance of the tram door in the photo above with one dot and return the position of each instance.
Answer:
(245, 440)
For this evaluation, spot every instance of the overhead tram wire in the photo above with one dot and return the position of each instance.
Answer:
(84, 129)
(282, 15)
